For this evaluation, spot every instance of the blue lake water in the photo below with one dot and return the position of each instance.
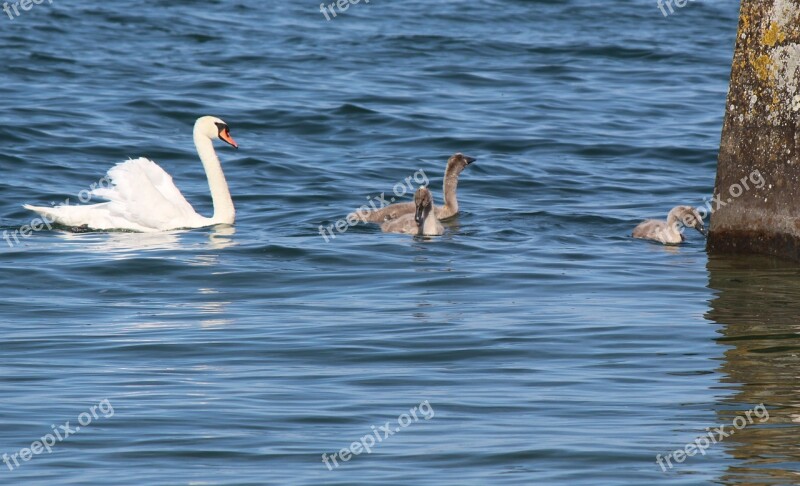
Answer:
(534, 343)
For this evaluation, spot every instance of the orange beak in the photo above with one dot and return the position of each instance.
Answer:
(226, 137)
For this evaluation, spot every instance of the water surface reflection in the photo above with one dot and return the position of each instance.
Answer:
(757, 304)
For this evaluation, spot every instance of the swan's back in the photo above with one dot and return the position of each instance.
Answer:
(142, 178)
(146, 195)
(404, 224)
(142, 198)
(653, 229)
(649, 228)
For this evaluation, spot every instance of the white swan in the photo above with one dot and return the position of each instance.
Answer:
(144, 198)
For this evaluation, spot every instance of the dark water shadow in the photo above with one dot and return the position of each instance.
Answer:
(757, 304)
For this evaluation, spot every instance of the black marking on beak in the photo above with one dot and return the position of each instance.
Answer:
(418, 214)
(224, 134)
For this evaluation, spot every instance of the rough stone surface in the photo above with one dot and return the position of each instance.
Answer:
(761, 133)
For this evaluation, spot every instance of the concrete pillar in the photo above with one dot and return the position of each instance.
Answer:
(761, 136)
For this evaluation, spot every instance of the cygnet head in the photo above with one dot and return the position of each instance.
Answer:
(212, 127)
(423, 200)
(458, 162)
(689, 217)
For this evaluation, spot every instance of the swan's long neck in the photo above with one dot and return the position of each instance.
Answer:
(428, 225)
(224, 213)
(429, 228)
(449, 190)
(673, 223)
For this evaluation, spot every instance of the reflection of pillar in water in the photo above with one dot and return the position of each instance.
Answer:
(757, 306)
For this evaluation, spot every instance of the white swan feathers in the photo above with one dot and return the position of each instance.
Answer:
(143, 197)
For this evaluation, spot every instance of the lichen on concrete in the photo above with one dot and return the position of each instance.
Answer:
(762, 131)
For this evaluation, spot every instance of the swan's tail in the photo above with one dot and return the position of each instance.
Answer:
(61, 215)
(51, 214)
(360, 216)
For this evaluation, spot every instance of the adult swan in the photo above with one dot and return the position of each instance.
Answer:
(144, 198)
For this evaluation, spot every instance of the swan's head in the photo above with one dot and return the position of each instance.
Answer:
(458, 162)
(212, 127)
(423, 200)
(690, 218)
